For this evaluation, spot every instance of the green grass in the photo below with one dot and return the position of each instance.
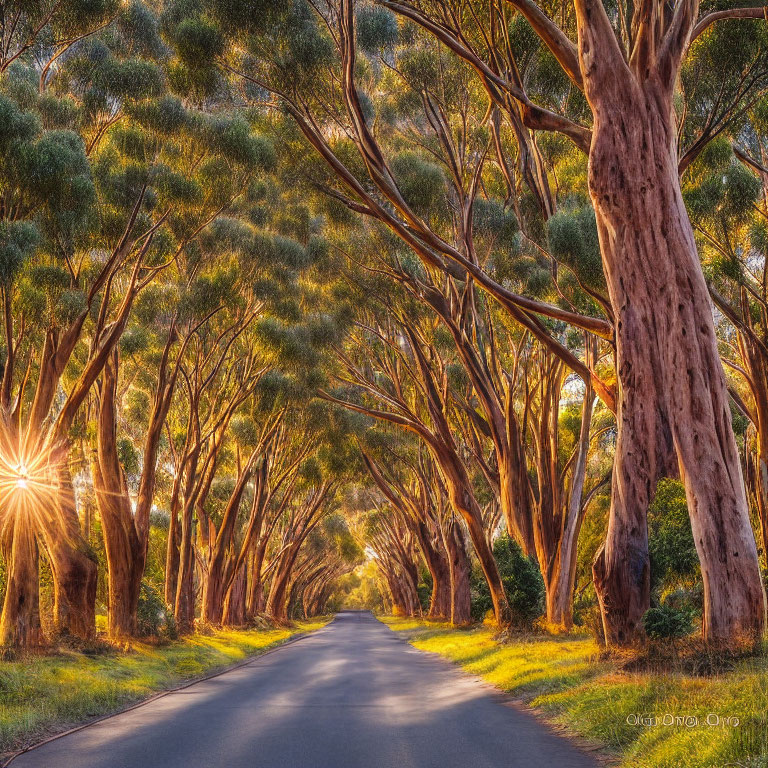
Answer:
(562, 678)
(41, 695)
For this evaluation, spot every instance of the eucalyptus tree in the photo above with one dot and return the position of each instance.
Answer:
(394, 547)
(420, 180)
(628, 71)
(414, 509)
(621, 72)
(201, 166)
(314, 498)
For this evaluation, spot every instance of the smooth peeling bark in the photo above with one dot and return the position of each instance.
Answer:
(234, 604)
(762, 494)
(73, 564)
(125, 564)
(460, 569)
(215, 579)
(256, 602)
(20, 621)
(560, 576)
(125, 554)
(755, 363)
(672, 388)
(472, 515)
(277, 602)
(172, 560)
(411, 585)
(439, 569)
(185, 587)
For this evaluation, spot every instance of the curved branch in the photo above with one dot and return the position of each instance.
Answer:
(758, 12)
(560, 45)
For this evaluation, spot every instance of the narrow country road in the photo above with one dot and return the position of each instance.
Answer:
(352, 695)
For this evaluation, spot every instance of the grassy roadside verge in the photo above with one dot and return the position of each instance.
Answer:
(43, 695)
(562, 678)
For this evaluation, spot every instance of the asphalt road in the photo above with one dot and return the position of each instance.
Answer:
(352, 695)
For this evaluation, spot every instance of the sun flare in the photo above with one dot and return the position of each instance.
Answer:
(29, 480)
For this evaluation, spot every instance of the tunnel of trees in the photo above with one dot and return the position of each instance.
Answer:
(450, 309)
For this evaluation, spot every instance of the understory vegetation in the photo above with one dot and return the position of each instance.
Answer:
(45, 694)
(654, 718)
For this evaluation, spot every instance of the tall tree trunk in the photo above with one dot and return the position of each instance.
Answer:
(458, 563)
(400, 605)
(277, 602)
(221, 562)
(756, 364)
(73, 565)
(20, 620)
(560, 575)
(234, 605)
(125, 554)
(672, 390)
(437, 564)
(256, 598)
(125, 564)
(473, 519)
(172, 559)
(185, 587)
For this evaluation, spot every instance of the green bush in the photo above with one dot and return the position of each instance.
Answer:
(674, 560)
(522, 583)
(153, 617)
(667, 622)
(424, 589)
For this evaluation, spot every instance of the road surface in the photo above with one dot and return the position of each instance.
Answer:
(352, 695)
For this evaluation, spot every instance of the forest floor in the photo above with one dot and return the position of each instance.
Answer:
(46, 694)
(659, 719)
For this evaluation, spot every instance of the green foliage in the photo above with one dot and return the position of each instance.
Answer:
(376, 28)
(153, 617)
(573, 239)
(421, 183)
(664, 622)
(522, 583)
(490, 218)
(128, 456)
(424, 589)
(17, 242)
(670, 540)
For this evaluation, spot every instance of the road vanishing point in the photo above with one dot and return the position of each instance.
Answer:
(351, 695)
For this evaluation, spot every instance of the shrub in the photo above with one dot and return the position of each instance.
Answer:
(153, 617)
(424, 590)
(522, 583)
(667, 622)
(671, 547)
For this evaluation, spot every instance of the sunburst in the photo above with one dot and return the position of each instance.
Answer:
(29, 478)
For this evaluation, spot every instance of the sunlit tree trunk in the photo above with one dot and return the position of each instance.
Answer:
(672, 386)
(125, 553)
(20, 620)
(256, 598)
(439, 569)
(277, 602)
(460, 569)
(73, 565)
(234, 605)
